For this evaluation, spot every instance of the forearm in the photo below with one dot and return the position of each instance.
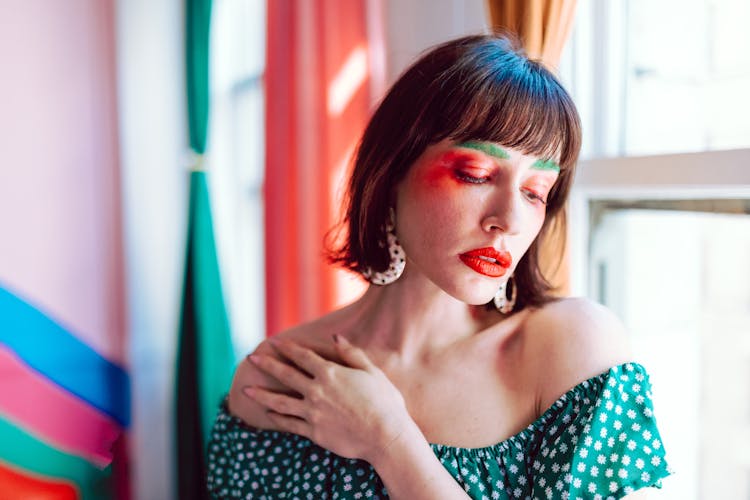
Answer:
(411, 471)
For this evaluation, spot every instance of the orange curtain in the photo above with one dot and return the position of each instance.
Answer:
(542, 25)
(317, 85)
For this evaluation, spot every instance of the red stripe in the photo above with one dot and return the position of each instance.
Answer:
(306, 48)
(23, 485)
(280, 173)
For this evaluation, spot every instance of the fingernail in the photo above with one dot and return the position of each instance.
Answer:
(253, 358)
(273, 340)
(249, 391)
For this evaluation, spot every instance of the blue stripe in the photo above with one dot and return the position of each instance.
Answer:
(54, 352)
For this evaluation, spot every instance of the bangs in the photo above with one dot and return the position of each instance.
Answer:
(480, 88)
(510, 101)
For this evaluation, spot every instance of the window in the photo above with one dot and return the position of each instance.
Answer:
(236, 163)
(676, 272)
(686, 80)
(660, 216)
(661, 77)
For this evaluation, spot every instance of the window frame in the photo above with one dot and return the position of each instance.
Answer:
(699, 176)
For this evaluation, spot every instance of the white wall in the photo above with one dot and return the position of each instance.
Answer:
(415, 25)
(153, 150)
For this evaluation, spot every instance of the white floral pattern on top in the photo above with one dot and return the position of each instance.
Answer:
(597, 441)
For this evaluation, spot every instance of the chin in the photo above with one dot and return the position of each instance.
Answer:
(474, 297)
(475, 290)
(480, 302)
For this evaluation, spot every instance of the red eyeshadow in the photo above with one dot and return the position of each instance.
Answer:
(442, 170)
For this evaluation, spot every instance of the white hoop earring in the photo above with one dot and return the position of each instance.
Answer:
(501, 301)
(398, 259)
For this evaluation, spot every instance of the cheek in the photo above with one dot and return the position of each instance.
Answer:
(439, 196)
(430, 208)
(437, 178)
(534, 226)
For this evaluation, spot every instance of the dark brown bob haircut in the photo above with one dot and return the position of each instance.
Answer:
(479, 88)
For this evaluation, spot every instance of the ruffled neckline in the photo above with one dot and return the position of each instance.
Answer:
(589, 387)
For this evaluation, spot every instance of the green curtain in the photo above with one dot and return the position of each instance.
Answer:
(205, 356)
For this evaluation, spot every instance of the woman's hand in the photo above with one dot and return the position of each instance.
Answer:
(352, 410)
(356, 412)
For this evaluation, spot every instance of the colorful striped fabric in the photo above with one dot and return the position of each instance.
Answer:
(62, 407)
(24, 485)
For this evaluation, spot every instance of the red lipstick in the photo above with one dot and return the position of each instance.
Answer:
(487, 261)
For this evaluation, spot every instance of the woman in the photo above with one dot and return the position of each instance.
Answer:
(456, 375)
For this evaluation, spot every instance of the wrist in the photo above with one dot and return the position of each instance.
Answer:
(410, 469)
(406, 436)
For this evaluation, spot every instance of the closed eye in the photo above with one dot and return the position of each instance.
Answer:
(470, 179)
(533, 196)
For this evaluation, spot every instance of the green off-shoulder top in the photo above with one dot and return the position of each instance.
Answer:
(599, 440)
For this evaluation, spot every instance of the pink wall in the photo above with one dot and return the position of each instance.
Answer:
(60, 228)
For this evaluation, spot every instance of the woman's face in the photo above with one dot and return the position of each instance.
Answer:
(466, 213)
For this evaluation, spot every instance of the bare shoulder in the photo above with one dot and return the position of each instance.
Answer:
(313, 335)
(246, 374)
(588, 324)
(571, 340)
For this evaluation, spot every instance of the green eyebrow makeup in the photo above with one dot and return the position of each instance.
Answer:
(486, 147)
(546, 165)
(501, 154)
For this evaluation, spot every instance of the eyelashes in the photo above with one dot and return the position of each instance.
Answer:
(478, 180)
(471, 179)
(533, 196)
(471, 171)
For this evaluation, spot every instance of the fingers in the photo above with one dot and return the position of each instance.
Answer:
(290, 424)
(352, 355)
(284, 411)
(305, 358)
(287, 375)
(279, 403)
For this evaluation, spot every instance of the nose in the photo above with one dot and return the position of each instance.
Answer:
(504, 215)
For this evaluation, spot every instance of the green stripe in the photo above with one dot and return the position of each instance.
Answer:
(26, 452)
(216, 359)
(499, 153)
(197, 35)
(486, 147)
(546, 165)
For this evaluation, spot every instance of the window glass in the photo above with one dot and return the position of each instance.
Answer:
(676, 272)
(664, 240)
(687, 75)
(660, 77)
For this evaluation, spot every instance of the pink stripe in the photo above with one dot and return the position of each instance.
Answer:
(53, 414)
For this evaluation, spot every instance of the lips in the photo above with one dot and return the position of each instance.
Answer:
(487, 261)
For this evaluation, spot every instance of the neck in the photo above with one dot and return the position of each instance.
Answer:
(412, 317)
